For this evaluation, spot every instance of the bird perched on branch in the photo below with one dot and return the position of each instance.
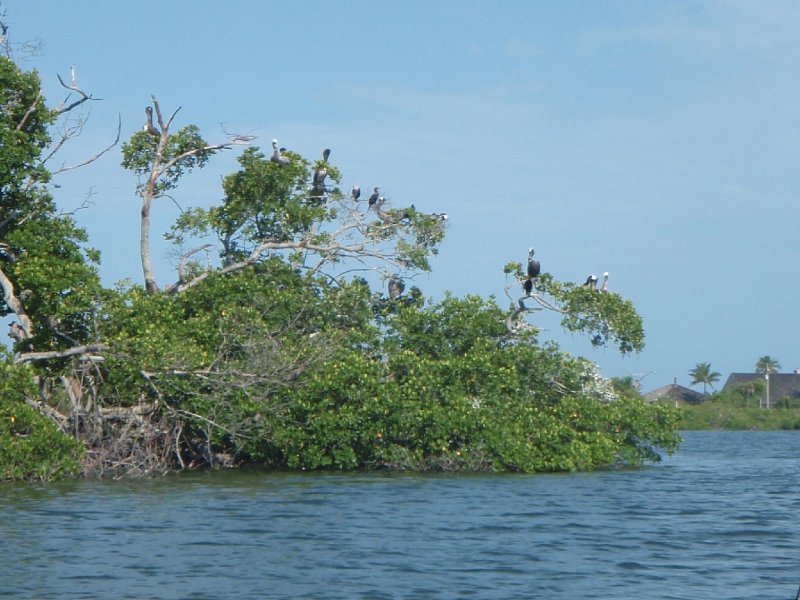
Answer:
(373, 197)
(534, 269)
(277, 157)
(356, 192)
(396, 287)
(605, 283)
(320, 173)
(16, 332)
(148, 126)
(591, 282)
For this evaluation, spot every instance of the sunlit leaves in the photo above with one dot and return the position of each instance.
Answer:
(183, 151)
(43, 254)
(605, 317)
(31, 446)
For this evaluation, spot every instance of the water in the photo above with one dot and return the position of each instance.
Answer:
(720, 520)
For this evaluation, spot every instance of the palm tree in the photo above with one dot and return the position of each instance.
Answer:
(702, 373)
(767, 365)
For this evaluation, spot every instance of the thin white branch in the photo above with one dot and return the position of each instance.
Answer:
(96, 156)
(37, 356)
(185, 260)
(74, 88)
(15, 305)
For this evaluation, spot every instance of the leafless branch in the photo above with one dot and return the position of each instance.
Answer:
(61, 109)
(74, 351)
(86, 203)
(238, 140)
(14, 303)
(185, 260)
(96, 156)
(187, 413)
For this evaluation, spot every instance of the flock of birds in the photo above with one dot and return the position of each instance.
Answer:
(535, 268)
(374, 201)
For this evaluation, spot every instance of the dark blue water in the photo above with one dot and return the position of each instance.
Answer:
(720, 520)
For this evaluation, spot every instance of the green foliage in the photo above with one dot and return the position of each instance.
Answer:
(264, 201)
(183, 151)
(767, 364)
(605, 317)
(702, 373)
(24, 122)
(447, 391)
(741, 409)
(42, 251)
(31, 446)
(278, 354)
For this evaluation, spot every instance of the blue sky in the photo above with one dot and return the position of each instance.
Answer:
(658, 141)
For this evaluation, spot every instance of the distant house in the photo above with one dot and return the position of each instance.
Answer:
(782, 386)
(675, 393)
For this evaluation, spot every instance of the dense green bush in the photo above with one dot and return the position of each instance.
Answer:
(31, 445)
(272, 349)
(447, 392)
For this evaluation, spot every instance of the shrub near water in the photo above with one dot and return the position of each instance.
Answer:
(31, 446)
(447, 393)
(729, 411)
(271, 348)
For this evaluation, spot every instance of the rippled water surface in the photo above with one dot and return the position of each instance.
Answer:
(721, 519)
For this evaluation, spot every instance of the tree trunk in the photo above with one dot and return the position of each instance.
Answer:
(144, 247)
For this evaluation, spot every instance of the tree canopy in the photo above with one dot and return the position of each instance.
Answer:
(287, 337)
(767, 364)
(702, 373)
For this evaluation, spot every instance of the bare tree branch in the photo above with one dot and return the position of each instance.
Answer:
(239, 140)
(16, 306)
(74, 351)
(61, 109)
(96, 156)
(150, 191)
(29, 112)
(185, 260)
